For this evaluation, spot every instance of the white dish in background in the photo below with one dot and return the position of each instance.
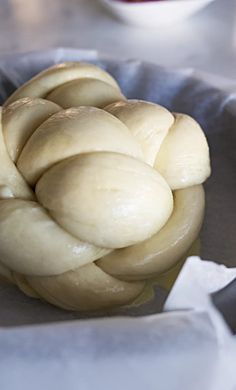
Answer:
(154, 13)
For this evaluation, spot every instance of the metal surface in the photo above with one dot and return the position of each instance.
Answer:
(206, 41)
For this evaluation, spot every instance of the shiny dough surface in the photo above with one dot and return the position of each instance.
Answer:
(98, 193)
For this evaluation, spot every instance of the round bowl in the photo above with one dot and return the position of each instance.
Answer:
(154, 13)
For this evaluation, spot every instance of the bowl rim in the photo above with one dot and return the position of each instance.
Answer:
(151, 3)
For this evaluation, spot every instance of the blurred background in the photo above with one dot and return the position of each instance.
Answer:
(206, 40)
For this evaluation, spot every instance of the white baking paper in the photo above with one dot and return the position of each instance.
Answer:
(190, 345)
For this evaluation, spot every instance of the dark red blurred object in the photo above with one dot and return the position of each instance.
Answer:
(137, 1)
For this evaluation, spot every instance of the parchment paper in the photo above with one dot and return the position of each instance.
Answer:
(188, 347)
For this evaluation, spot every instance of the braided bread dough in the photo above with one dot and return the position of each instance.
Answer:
(97, 193)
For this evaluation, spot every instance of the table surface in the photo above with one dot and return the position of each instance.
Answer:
(206, 41)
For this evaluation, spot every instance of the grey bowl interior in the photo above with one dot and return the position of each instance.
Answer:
(180, 92)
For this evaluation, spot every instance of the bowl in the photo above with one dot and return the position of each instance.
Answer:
(154, 13)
